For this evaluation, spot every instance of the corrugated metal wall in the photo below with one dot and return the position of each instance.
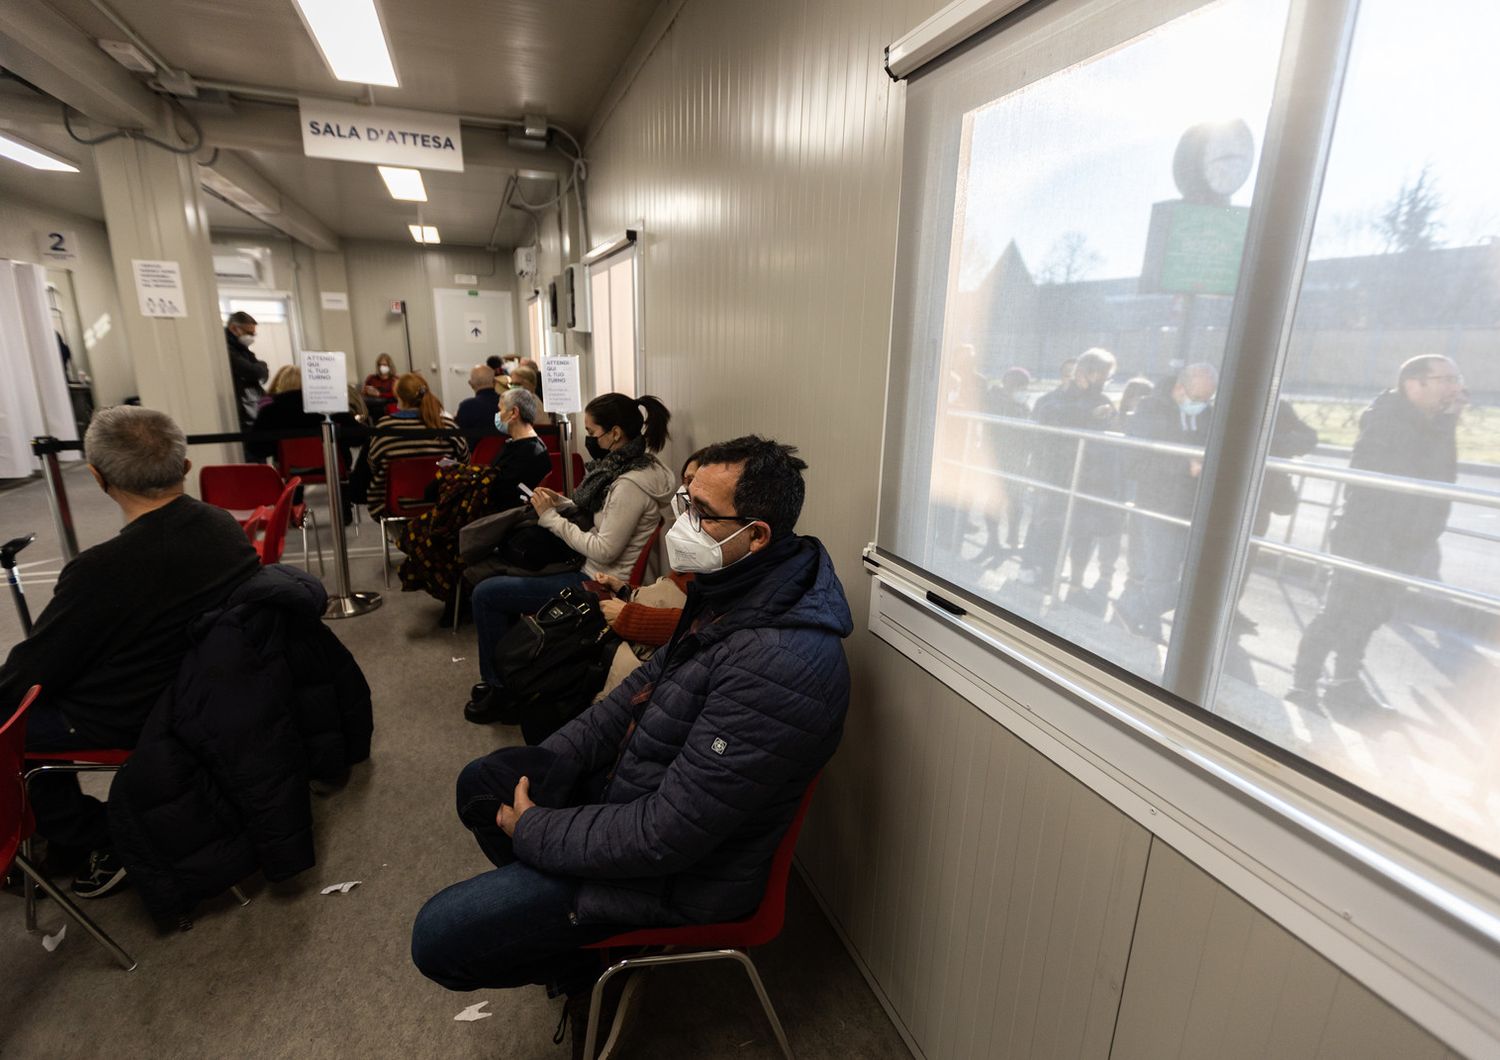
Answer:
(990, 897)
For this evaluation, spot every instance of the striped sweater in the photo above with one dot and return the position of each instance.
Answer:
(385, 449)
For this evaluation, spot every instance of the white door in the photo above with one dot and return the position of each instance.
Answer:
(275, 342)
(471, 325)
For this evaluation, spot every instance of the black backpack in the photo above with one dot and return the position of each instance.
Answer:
(553, 663)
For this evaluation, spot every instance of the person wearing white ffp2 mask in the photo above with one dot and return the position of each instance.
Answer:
(248, 372)
(709, 534)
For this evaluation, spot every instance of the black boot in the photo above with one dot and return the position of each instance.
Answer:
(494, 706)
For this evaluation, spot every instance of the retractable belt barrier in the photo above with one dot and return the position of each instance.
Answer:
(346, 603)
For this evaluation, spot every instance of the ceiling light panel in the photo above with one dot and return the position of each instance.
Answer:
(424, 233)
(351, 38)
(404, 184)
(18, 150)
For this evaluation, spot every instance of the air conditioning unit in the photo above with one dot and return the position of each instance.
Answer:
(576, 278)
(237, 270)
(525, 261)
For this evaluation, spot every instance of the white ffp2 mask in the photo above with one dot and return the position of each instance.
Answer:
(692, 551)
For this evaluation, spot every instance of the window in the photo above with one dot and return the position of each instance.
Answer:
(612, 294)
(1091, 432)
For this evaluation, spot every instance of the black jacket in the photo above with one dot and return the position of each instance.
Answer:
(1384, 527)
(249, 374)
(1164, 482)
(284, 412)
(218, 785)
(477, 413)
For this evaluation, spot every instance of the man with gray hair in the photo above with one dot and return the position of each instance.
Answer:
(477, 414)
(115, 632)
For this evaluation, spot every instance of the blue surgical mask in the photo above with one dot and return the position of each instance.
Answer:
(501, 425)
(1192, 408)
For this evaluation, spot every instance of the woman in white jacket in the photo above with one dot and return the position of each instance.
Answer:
(609, 520)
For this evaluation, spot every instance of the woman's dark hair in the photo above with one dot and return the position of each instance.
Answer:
(696, 458)
(632, 416)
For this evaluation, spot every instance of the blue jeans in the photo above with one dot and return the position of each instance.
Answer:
(514, 925)
(499, 601)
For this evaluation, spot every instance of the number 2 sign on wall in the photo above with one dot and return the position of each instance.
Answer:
(59, 246)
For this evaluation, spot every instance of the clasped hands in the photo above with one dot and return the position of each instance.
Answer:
(510, 815)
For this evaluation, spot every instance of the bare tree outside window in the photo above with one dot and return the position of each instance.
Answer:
(1070, 259)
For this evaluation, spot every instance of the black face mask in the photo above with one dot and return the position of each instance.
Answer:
(596, 450)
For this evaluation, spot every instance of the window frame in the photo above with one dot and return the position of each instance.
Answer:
(1411, 910)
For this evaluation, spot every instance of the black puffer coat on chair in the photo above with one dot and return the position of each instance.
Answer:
(266, 700)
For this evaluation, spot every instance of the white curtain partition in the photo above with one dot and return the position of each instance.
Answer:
(33, 389)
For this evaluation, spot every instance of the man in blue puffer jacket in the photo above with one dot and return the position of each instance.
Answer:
(663, 803)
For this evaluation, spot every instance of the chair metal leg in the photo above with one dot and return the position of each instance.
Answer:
(28, 887)
(653, 960)
(67, 906)
(306, 560)
(765, 1000)
(385, 544)
(239, 896)
(317, 541)
(458, 599)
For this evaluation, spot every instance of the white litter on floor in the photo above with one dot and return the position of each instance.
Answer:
(472, 1013)
(51, 942)
(342, 888)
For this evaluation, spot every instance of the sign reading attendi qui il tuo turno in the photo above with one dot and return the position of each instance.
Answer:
(352, 132)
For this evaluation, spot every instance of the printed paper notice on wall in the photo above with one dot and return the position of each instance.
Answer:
(336, 300)
(324, 387)
(158, 286)
(560, 384)
(475, 328)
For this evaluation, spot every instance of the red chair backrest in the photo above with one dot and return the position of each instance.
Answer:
(304, 457)
(15, 814)
(486, 449)
(405, 483)
(577, 469)
(239, 487)
(550, 436)
(638, 572)
(554, 479)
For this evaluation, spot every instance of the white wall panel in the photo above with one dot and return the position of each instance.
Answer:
(989, 897)
(379, 273)
(109, 361)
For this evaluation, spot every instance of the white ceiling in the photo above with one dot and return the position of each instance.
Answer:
(490, 58)
(498, 58)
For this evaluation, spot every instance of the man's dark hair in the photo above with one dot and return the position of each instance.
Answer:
(495, 363)
(1421, 366)
(241, 318)
(770, 486)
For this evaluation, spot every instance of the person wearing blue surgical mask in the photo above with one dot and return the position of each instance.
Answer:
(1179, 412)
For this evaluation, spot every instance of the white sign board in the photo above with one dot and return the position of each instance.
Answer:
(474, 328)
(560, 384)
(158, 287)
(59, 245)
(336, 300)
(465, 279)
(353, 132)
(324, 386)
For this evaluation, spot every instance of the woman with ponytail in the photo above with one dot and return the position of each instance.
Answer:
(609, 519)
(418, 409)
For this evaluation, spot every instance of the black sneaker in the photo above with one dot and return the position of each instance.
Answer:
(104, 875)
(1306, 698)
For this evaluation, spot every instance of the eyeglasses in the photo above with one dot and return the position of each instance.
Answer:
(682, 501)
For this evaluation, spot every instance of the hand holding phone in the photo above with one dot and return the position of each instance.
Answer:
(526, 491)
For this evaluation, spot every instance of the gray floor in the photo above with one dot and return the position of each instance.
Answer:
(297, 974)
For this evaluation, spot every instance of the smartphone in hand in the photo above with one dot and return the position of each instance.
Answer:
(526, 491)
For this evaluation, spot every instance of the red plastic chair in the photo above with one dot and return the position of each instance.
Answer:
(246, 487)
(406, 483)
(711, 942)
(643, 561)
(17, 825)
(267, 526)
(486, 449)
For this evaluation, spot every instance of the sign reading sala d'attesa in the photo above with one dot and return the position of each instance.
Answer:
(353, 132)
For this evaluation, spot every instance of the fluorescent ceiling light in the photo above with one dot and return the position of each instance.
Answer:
(424, 233)
(351, 39)
(405, 184)
(18, 150)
